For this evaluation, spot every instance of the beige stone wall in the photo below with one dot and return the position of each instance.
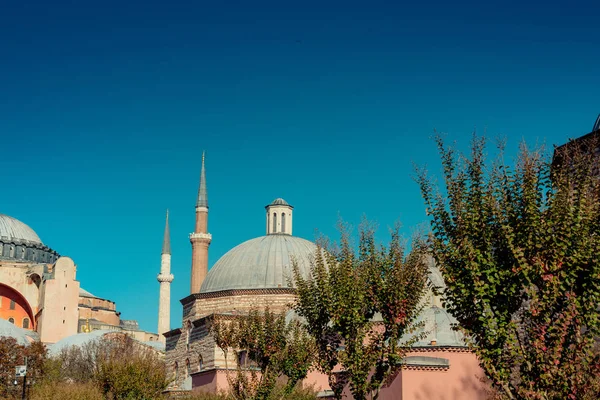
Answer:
(199, 350)
(142, 336)
(106, 316)
(240, 303)
(200, 344)
(18, 276)
(100, 309)
(59, 313)
(96, 302)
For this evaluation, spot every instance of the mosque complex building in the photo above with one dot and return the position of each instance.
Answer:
(255, 274)
(41, 299)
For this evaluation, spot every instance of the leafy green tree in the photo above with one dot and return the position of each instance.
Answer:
(358, 304)
(131, 371)
(273, 347)
(518, 248)
(13, 354)
(120, 367)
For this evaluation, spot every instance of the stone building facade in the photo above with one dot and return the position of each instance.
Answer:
(254, 274)
(39, 290)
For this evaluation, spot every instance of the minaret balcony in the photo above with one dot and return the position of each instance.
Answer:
(165, 278)
(201, 236)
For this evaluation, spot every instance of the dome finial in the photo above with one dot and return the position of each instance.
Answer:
(166, 247)
(202, 192)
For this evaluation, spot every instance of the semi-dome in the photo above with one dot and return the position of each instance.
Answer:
(437, 326)
(13, 229)
(261, 263)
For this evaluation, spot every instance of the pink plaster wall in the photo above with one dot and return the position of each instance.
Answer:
(317, 380)
(464, 380)
(205, 381)
(212, 381)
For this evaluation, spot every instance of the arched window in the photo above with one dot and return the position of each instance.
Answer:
(283, 222)
(12, 304)
(35, 278)
(26, 323)
(274, 222)
(11, 320)
(176, 366)
(190, 328)
(200, 363)
(188, 368)
(242, 358)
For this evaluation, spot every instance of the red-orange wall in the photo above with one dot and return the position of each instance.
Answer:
(21, 309)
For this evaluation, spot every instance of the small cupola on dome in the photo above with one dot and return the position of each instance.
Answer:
(279, 217)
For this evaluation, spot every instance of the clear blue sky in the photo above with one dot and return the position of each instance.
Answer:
(105, 108)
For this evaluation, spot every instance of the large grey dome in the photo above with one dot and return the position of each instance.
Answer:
(261, 263)
(13, 229)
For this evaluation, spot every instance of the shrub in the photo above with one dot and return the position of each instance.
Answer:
(59, 390)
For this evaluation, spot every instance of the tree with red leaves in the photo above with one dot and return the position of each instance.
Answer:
(519, 250)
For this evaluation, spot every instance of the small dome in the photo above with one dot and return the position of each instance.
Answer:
(437, 324)
(279, 202)
(78, 340)
(22, 336)
(261, 263)
(14, 229)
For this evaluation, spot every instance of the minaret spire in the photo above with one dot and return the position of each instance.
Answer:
(166, 248)
(202, 193)
(200, 238)
(165, 278)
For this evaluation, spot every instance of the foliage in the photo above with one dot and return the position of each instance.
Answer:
(49, 390)
(119, 366)
(279, 393)
(518, 248)
(11, 355)
(273, 347)
(345, 291)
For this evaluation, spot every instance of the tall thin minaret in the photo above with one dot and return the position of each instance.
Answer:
(200, 238)
(165, 278)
